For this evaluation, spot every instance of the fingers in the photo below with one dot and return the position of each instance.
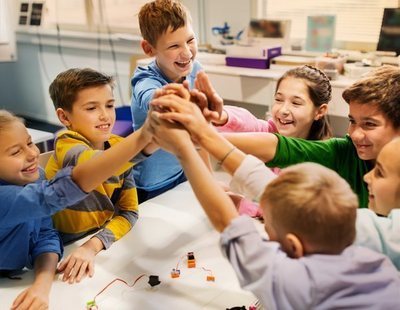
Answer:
(181, 90)
(199, 98)
(81, 273)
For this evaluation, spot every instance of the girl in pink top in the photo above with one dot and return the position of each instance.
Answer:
(299, 110)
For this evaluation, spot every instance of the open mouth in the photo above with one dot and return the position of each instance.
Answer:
(104, 126)
(31, 169)
(285, 122)
(183, 64)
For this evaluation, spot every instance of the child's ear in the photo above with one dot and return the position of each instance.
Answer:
(63, 117)
(295, 246)
(322, 110)
(147, 48)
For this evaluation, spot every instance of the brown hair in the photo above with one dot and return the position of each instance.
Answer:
(66, 86)
(380, 87)
(6, 118)
(320, 92)
(156, 17)
(315, 204)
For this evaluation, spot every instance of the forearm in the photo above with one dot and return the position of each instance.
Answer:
(101, 167)
(259, 144)
(217, 205)
(45, 267)
(219, 147)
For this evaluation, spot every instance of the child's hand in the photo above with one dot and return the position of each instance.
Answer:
(203, 84)
(34, 297)
(172, 137)
(182, 111)
(78, 265)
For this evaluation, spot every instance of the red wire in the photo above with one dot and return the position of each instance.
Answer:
(115, 280)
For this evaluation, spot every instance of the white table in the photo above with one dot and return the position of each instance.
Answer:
(169, 226)
(39, 136)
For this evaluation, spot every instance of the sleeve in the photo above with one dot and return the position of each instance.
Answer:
(36, 200)
(127, 214)
(251, 178)
(263, 268)
(291, 151)
(381, 234)
(143, 92)
(73, 149)
(48, 241)
(241, 120)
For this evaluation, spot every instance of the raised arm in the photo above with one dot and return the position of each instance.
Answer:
(90, 174)
(218, 206)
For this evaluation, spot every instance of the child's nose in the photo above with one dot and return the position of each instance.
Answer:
(187, 52)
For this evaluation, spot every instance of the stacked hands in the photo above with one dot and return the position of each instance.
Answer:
(179, 115)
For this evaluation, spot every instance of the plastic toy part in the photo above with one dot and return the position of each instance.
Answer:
(211, 278)
(91, 305)
(154, 280)
(175, 273)
(191, 261)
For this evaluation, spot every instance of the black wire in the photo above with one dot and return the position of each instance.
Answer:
(60, 52)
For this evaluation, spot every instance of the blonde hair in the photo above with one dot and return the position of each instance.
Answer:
(315, 204)
(7, 118)
(156, 17)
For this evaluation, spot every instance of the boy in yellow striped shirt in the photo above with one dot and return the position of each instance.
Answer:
(85, 104)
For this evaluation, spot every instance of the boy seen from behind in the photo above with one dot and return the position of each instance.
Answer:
(168, 36)
(309, 261)
(85, 104)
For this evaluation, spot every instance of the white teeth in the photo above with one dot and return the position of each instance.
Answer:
(103, 126)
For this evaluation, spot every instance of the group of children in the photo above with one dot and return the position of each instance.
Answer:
(95, 180)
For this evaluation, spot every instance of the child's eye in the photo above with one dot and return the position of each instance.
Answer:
(278, 100)
(191, 40)
(352, 121)
(15, 152)
(296, 103)
(378, 173)
(370, 124)
(90, 108)
(110, 105)
(173, 46)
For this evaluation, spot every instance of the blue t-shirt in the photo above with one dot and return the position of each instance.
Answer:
(26, 229)
(161, 168)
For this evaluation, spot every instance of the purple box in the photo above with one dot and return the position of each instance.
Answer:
(254, 62)
(257, 63)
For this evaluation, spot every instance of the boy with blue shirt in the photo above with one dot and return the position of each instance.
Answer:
(168, 36)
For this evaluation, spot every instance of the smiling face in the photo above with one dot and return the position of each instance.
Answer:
(384, 180)
(293, 111)
(175, 52)
(92, 115)
(369, 130)
(18, 155)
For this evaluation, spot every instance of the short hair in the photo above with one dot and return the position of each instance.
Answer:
(7, 118)
(314, 203)
(381, 87)
(320, 92)
(66, 86)
(156, 17)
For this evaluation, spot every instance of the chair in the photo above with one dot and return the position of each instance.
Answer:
(44, 158)
(123, 124)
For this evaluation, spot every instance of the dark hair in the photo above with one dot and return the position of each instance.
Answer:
(66, 86)
(380, 87)
(157, 16)
(320, 92)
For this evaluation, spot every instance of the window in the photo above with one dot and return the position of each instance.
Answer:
(356, 20)
(94, 15)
